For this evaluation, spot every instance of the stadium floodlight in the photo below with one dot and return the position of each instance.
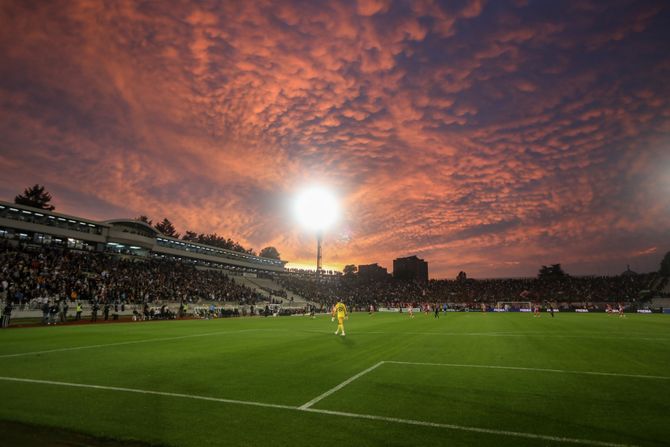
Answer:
(317, 209)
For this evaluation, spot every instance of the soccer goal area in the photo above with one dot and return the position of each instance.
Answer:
(513, 306)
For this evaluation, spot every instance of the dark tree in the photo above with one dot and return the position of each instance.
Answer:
(190, 236)
(552, 272)
(269, 252)
(215, 240)
(350, 269)
(167, 228)
(665, 265)
(462, 276)
(212, 239)
(144, 219)
(36, 197)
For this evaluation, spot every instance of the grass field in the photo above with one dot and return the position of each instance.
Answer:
(465, 379)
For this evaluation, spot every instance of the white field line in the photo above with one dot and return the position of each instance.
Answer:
(329, 412)
(140, 391)
(340, 386)
(489, 431)
(521, 368)
(503, 334)
(122, 343)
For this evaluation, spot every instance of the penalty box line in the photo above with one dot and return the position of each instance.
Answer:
(336, 388)
(340, 386)
(487, 431)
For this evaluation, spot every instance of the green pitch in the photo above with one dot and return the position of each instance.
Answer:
(465, 379)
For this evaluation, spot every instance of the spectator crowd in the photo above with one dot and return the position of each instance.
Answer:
(32, 277)
(575, 291)
(54, 279)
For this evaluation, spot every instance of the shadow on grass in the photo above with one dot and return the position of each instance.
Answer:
(29, 435)
(347, 341)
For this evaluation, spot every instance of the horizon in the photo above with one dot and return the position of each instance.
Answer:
(339, 269)
(485, 137)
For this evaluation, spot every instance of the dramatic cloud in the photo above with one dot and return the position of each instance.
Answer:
(489, 137)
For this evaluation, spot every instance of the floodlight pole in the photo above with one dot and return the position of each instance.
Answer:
(319, 239)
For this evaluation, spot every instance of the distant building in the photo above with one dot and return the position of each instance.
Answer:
(410, 269)
(372, 271)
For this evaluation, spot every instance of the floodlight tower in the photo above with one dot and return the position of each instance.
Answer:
(319, 255)
(317, 210)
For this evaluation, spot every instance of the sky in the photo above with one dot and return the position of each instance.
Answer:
(486, 136)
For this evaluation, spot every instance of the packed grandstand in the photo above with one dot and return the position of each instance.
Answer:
(37, 277)
(51, 262)
(568, 293)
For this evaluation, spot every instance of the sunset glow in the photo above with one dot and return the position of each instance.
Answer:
(490, 137)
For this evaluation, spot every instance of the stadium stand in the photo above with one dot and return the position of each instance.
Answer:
(47, 258)
(30, 274)
(570, 292)
(123, 236)
(275, 289)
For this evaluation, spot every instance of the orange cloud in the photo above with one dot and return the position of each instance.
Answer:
(489, 138)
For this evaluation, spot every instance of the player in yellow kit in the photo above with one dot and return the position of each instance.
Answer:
(340, 311)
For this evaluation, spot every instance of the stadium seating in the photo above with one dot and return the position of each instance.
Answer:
(569, 292)
(32, 275)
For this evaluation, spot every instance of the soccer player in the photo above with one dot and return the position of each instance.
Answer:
(437, 311)
(410, 311)
(341, 311)
(621, 310)
(536, 311)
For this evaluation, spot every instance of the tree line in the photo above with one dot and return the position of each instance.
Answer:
(167, 228)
